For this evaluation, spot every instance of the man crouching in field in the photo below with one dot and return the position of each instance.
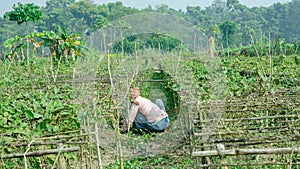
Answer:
(146, 115)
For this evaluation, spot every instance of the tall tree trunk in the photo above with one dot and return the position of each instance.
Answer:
(27, 45)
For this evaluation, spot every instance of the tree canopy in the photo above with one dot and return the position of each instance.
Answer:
(24, 13)
(227, 21)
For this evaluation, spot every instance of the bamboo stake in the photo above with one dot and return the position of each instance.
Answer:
(270, 61)
(40, 152)
(249, 141)
(28, 148)
(246, 152)
(238, 132)
(97, 138)
(60, 137)
(246, 164)
(119, 146)
(50, 143)
(253, 118)
(60, 159)
(221, 147)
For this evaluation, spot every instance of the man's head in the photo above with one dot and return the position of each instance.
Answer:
(135, 92)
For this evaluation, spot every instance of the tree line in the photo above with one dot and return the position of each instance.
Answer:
(231, 23)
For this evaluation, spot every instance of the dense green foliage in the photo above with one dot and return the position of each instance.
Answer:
(24, 13)
(145, 41)
(247, 75)
(62, 46)
(229, 22)
(37, 98)
(33, 106)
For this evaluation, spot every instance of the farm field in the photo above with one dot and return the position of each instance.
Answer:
(228, 75)
(35, 110)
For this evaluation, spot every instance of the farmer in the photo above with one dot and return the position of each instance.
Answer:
(146, 115)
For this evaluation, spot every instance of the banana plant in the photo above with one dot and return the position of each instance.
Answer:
(16, 46)
(62, 46)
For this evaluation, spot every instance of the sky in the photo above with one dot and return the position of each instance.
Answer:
(6, 5)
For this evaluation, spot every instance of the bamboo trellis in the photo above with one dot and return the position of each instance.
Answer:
(251, 130)
(79, 145)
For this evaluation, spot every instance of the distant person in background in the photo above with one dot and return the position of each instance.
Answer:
(146, 115)
(211, 46)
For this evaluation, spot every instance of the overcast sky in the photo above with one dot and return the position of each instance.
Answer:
(6, 5)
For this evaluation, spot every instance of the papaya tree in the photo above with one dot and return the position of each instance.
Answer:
(99, 24)
(24, 13)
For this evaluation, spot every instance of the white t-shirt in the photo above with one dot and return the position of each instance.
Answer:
(150, 110)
